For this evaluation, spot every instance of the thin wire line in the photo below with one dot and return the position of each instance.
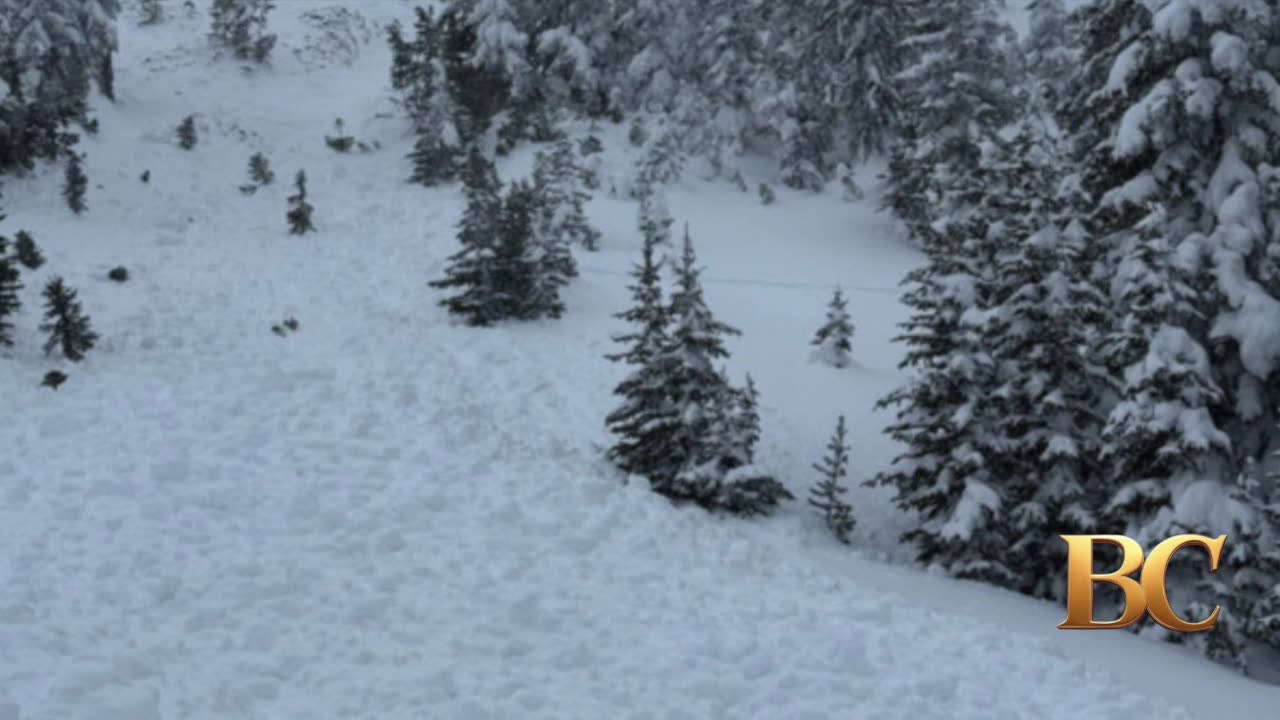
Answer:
(766, 283)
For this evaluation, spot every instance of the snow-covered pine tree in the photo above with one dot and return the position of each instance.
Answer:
(697, 389)
(75, 184)
(26, 251)
(654, 218)
(806, 151)
(471, 270)
(477, 80)
(1247, 585)
(557, 180)
(944, 474)
(299, 213)
(645, 421)
(54, 51)
(68, 327)
(960, 94)
(828, 494)
(241, 27)
(9, 286)
(260, 169)
(1045, 407)
(186, 133)
(1051, 51)
(150, 12)
(520, 290)
(1179, 147)
(437, 153)
(661, 163)
(833, 338)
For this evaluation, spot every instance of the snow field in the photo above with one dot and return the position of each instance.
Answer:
(385, 516)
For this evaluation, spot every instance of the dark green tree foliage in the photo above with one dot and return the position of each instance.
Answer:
(518, 292)
(419, 74)
(75, 184)
(960, 95)
(299, 213)
(1247, 585)
(828, 494)
(241, 26)
(472, 270)
(529, 115)
(833, 339)
(26, 251)
(9, 287)
(645, 419)
(53, 52)
(558, 181)
(806, 152)
(67, 325)
(187, 137)
(697, 388)
(260, 169)
(479, 90)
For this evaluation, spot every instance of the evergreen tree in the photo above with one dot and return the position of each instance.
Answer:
(518, 284)
(26, 251)
(187, 133)
(473, 269)
(9, 287)
(645, 420)
(53, 50)
(66, 323)
(697, 389)
(74, 186)
(1247, 585)
(832, 339)
(557, 181)
(960, 97)
(654, 218)
(944, 474)
(241, 27)
(828, 494)
(299, 214)
(260, 169)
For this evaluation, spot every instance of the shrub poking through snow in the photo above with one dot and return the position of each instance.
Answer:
(833, 338)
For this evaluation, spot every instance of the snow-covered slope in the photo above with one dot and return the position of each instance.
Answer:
(385, 516)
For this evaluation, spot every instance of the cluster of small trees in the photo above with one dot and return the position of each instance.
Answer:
(516, 249)
(681, 423)
(68, 327)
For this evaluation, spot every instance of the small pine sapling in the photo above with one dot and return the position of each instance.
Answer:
(260, 169)
(9, 287)
(767, 196)
(187, 133)
(26, 251)
(299, 215)
(118, 274)
(833, 339)
(74, 186)
(145, 177)
(341, 143)
(828, 494)
(66, 323)
(739, 181)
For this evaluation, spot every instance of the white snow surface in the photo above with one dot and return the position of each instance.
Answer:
(385, 516)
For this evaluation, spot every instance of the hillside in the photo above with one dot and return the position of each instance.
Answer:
(389, 516)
